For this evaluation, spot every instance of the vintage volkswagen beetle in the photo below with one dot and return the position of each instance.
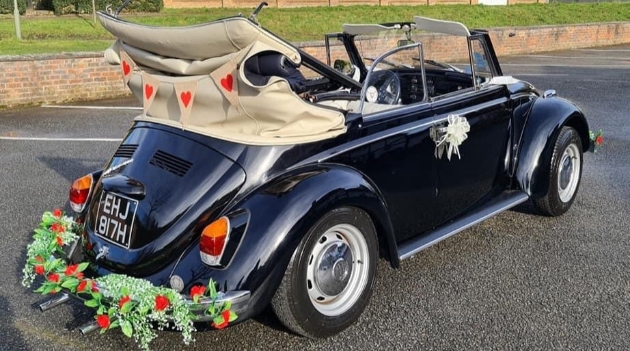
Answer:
(286, 190)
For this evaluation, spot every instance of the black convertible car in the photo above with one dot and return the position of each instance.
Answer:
(284, 178)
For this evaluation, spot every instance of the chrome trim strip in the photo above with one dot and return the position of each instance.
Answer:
(504, 202)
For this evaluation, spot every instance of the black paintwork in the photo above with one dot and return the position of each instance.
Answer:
(384, 164)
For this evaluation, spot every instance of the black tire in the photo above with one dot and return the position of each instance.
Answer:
(309, 274)
(564, 178)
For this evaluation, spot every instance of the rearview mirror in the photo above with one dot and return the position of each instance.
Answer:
(404, 43)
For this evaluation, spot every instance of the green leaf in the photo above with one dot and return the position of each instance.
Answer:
(126, 328)
(101, 309)
(91, 303)
(52, 245)
(127, 307)
(124, 291)
(212, 289)
(233, 316)
(218, 319)
(83, 266)
(211, 310)
(111, 311)
(114, 324)
(70, 283)
(48, 289)
(226, 306)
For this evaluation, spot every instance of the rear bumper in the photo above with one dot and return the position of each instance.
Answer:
(239, 301)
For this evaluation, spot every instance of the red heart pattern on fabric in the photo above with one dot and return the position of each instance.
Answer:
(227, 83)
(185, 96)
(148, 91)
(126, 68)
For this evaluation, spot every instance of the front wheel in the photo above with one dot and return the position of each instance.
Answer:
(565, 174)
(328, 282)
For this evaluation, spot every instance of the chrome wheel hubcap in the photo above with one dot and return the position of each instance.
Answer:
(569, 173)
(337, 271)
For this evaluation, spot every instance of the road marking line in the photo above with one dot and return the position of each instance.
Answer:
(566, 66)
(603, 50)
(538, 74)
(575, 57)
(58, 139)
(94, 107)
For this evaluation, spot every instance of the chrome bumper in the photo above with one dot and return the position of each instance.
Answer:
(239, 301)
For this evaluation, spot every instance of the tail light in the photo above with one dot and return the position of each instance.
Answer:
(80, 192)
(213, 241)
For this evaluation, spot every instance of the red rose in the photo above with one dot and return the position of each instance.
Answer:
(103, 321)
(59, 241)
(57, 228)
(89, 246)
(161, 303)
(57, 213)
(71, 269)
(226, 320)
(79, 275)
(94, 287)
(123, 301)
(39, 259)
(599, 140)
(197, 290)
(82, 285)
(39, 270)
(53, 277)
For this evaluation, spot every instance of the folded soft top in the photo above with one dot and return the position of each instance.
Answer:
(193, 77)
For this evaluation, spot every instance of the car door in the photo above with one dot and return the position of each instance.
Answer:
(396, 153)
(480, 170)
(395, 147)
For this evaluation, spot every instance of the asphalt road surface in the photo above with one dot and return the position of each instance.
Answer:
(515, 282)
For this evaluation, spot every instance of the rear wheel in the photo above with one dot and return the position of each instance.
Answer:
(564, 175)
(328, 282)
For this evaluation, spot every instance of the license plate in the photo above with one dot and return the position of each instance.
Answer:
(115, 218)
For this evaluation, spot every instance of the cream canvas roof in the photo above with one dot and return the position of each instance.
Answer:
(197, 82)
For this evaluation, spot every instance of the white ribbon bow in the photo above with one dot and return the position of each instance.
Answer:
(454, 135)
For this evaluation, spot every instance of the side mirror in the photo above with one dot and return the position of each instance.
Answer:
(404, 43)
(343, 66)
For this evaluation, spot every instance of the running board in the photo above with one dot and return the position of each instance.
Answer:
(501, 203)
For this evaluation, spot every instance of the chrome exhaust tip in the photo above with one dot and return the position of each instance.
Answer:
(88, 328)
(50, 304)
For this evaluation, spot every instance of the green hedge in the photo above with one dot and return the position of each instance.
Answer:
(62, 7)
(6, 6)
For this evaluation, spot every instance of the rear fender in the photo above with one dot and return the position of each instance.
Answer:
(544, 122)
(280, 214)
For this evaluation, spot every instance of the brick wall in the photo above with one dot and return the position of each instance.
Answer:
(39, 79)
(56, 78)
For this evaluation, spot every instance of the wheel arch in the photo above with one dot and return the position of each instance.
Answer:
(545, 121)
(280, 213)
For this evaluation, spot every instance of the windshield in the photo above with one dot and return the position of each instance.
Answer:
(436, 56)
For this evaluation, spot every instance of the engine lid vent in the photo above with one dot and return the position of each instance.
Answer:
(126, 150)
(170, 163)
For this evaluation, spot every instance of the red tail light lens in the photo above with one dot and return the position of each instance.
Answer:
(80, 192)
(213, 240)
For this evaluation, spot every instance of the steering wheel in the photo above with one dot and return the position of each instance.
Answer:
(387, 85)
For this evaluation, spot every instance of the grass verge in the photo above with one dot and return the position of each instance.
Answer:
(72, 33)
